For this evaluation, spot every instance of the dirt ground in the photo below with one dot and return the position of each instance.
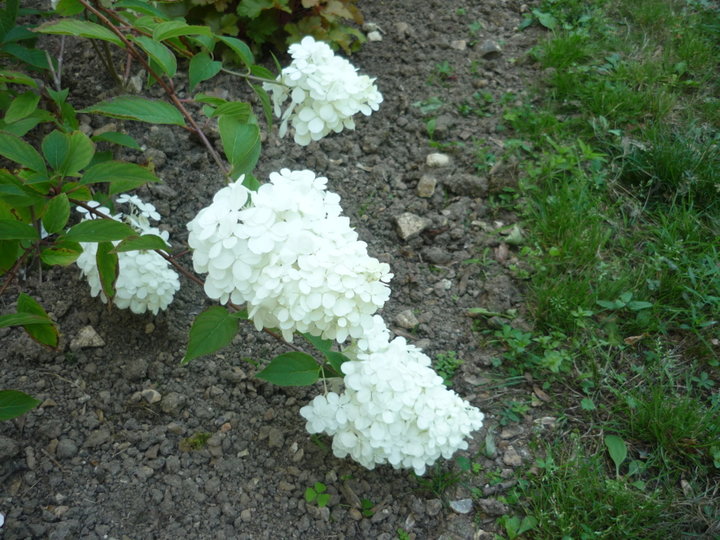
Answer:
(102, 457)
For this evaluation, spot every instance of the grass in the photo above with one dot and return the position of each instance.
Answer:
(620, 201)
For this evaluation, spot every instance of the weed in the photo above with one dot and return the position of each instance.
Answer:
(437, 481)
(198, 441)
(317, 494)
(446, 364)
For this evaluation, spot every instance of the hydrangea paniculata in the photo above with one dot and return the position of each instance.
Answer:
(325, 92)
(395, 409)
(145, 280)
(288, 253)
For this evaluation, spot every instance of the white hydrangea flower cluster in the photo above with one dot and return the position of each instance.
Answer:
(325, 92)
(145, 280)
(287, 253)
(395, 408)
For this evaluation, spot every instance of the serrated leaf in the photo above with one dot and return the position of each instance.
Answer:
(138, 108)
(108, 267)
(617, 450)
(14, 193)
(141, 243)
(173, 29)
(21, 152)
(57, 213)
(55, 147)
(21, 106)
(46, 334)
(267, 107)
(11, 229)
(202, 67)
(75, 27)
(158, 52)
(322, 345)
(8, 16)
(240, 48)
(117, 138)
(587, 404)
(291, 369)
(122, 176)
(79, 153)
(241, 143)
(14, 403)
(212, 330)
(262, 72)
(99, 230)
(33, 57)
(68, 8)
(61, 253)
(252, 8)
(141, 6)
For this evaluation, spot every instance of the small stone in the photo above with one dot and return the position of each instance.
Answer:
(8, 447)
(135, 369)
(458, 44)
(87, 337)
(426, 186)
(407, 319)
(403, 29)
(151, 395)
(433, 507)
(355, 514)
(246, 515)
(490, 49)
(492, 507)
(173, 403)
(437, 160)
(97, 438)
(149, 328)
(276, 438)
(410, 225)
(437, 255)
(462, 506)
(510, 432)
(467, 184)
(511, 458)
(66, 448)
(374, 36)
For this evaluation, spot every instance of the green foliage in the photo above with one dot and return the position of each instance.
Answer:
(212, 330)
(198, 441)
(291, 369)
(446, 364)
(278, 22)
(316, 494)
(14, 403)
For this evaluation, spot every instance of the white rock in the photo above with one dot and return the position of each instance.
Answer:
(407, 319)
(462, 506)
(409, 225)
(374, 36)
(426, 186)
(459, 44)
(437, 160)
(87, 337)
(151, 395)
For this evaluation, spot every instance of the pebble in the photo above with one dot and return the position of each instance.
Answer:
(409, 225)
(66, 448)
(437, 255)
(458, 44)
(461, 506)
(426, 186)
(407, 319)
(467, 184)
(490, 49)
(135, 369)
(173, 403)
(151, 395)
(8, 447)
(511, 431)
(276, 438)
(492, 507)
(97, 438)
(374, 36)
(511, 458)
(437, 160)
(433, 507)
(86, 338)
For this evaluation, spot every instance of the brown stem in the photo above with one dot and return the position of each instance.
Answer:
(166, 86)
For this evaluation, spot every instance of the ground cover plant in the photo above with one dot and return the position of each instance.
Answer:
(619, 199)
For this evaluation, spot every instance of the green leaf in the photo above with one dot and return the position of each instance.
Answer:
(55, 147)
(8, 16)
(587, 404)
(57, 213)
(202, 67)
(263, 72)
(173, 29)
(75, 27)
(250, 182)
(607, 304)
(9, 254)
(99, 230)
(68, 153)
(212, 330)
(545, 19)
(310, 494)
(21, 152)
(336, 359)
(15, 193)
(141, 243)
(138, 108)
(21, 106)
(11, 229)
(61, 253)
(322, 345)
(33, 57)
(108, 267)
(141, 6)
(240, 48)
(637, 305)
(15, 77)
(117, 138)
(528, 523)
(267, 107)
(252, 8)
(240, 111)
(291, 369)
(617, 449)
(21, 319)
(46, 334)
(159, 53)
(14, 403)
(241, 143)
(121, 176)
(68, 8)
